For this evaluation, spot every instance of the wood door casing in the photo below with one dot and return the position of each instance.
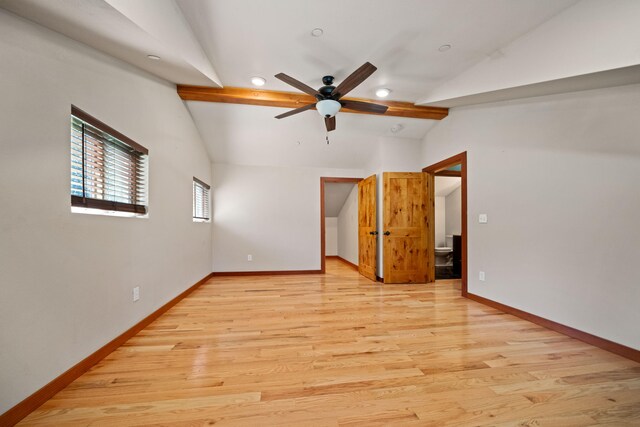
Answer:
(367, 227)
(438, 168)
(408, 213)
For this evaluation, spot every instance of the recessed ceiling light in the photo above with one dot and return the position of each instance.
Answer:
(154, 57)
(444, 47)
(397, 128)
(383, 92)
(317, 32)
(258, 81)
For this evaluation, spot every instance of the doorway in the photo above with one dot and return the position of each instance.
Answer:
(339, 220)
(450, 260)
(404, 232)
(448, 224)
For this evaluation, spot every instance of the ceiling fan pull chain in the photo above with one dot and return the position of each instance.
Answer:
(327, 137)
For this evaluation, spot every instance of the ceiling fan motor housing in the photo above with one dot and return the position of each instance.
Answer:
(328, 88)
(327, 80)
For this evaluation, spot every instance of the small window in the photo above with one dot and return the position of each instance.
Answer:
(201, 206)
(108, 170)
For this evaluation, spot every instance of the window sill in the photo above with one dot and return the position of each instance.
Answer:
(89, 211)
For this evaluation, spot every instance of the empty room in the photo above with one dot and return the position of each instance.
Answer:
(320, 213)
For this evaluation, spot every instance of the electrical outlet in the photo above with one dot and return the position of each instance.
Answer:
(249, 257)
(481, 276)
(483, 219)
(136, 293)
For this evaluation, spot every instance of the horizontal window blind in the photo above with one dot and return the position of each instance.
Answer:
(108, 170)
(201, 204)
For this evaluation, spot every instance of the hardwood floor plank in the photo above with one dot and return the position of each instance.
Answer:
(341, 350)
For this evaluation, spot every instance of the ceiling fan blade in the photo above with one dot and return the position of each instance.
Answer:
(296, 111)
(357, 77)
(297, 84)
(330, 122)
(365, 107)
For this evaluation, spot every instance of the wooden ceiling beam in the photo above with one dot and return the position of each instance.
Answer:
(272, 98)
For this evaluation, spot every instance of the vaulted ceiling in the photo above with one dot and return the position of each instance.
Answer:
(245, 38)
(445, 185)
(499, 49)
(335, 194)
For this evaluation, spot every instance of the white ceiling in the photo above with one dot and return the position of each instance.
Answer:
(206, 42)
(244, 38)
(226, 42)
(335, 194)
(610, 78)
(445, 185)
(249, 135)
(100, 25)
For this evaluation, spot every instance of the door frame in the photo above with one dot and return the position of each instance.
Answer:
(323, 180)
(437, 169)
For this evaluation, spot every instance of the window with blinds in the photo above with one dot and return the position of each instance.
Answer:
(108, 169)
(201, 204)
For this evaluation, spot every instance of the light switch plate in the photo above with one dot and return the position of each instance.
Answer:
(249, 257)
(136, 293)
(481, 276)
(483, 219)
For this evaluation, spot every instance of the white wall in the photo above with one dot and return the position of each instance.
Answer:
(558, 177)
(66, 279)
(331, 236)
(441, 218)
(272, 213)
(453, 212)
(348, 228)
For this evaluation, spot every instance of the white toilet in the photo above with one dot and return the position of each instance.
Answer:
(443, 253)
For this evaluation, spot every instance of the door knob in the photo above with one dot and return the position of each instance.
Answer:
(386, 233)
(373, 233)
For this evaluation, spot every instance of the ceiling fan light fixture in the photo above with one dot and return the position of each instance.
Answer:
(383, 92)
(317, 32)
(328, 107)
(258, 81)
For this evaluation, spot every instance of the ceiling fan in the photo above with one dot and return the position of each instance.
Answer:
(329, 96)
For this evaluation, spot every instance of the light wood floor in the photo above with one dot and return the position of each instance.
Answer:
(337, 349)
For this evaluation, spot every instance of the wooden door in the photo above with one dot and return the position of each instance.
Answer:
(408, 213)
(367, 231)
